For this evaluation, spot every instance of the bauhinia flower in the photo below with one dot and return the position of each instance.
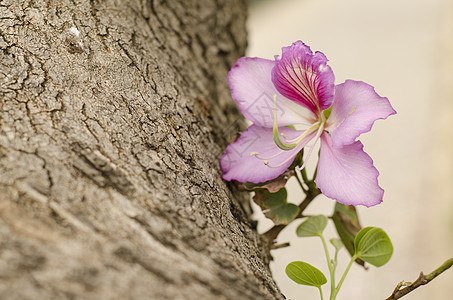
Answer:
(305, 107)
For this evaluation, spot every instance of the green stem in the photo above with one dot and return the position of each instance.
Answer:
(300, 182)
(337, 289)
(334, 268)
(320, 292)
(445, 266)
(316, 172)
(329, 265)
(304, 175)
(336, 256)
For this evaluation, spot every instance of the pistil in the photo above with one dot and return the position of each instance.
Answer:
(285, 146)
(290, 144)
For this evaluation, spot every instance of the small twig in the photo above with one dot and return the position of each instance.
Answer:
(282, 245)
(421, 280)
(272, 233)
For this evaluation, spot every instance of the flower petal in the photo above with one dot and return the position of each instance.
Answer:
(238, 163)
(355, 108)
(347, 174)
(304, 78)
(252, 88)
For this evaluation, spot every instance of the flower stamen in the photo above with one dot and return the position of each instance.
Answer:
(256, 154)
(280, 164)
(316, 138)
(266, 159)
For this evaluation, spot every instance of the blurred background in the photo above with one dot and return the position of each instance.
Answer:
(404, 48)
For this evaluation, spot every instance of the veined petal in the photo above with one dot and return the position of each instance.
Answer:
(347, 174)
(355, 108)
(252, 88)
(304, 77)
(245, 159)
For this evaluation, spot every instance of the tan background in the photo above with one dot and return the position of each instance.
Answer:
(404, 49)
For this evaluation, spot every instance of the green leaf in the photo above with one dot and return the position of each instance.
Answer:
(304, 273)
(360, 235)
(284, 214)
(275, 206)
(337, 243)
(313, 226)
(275, 200)
(347, 224)
(373, 245)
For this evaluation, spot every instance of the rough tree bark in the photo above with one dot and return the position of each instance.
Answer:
(110, 186)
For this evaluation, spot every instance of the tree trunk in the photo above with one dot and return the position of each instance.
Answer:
(113, 117)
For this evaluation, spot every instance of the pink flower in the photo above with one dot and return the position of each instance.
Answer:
(293, 101)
